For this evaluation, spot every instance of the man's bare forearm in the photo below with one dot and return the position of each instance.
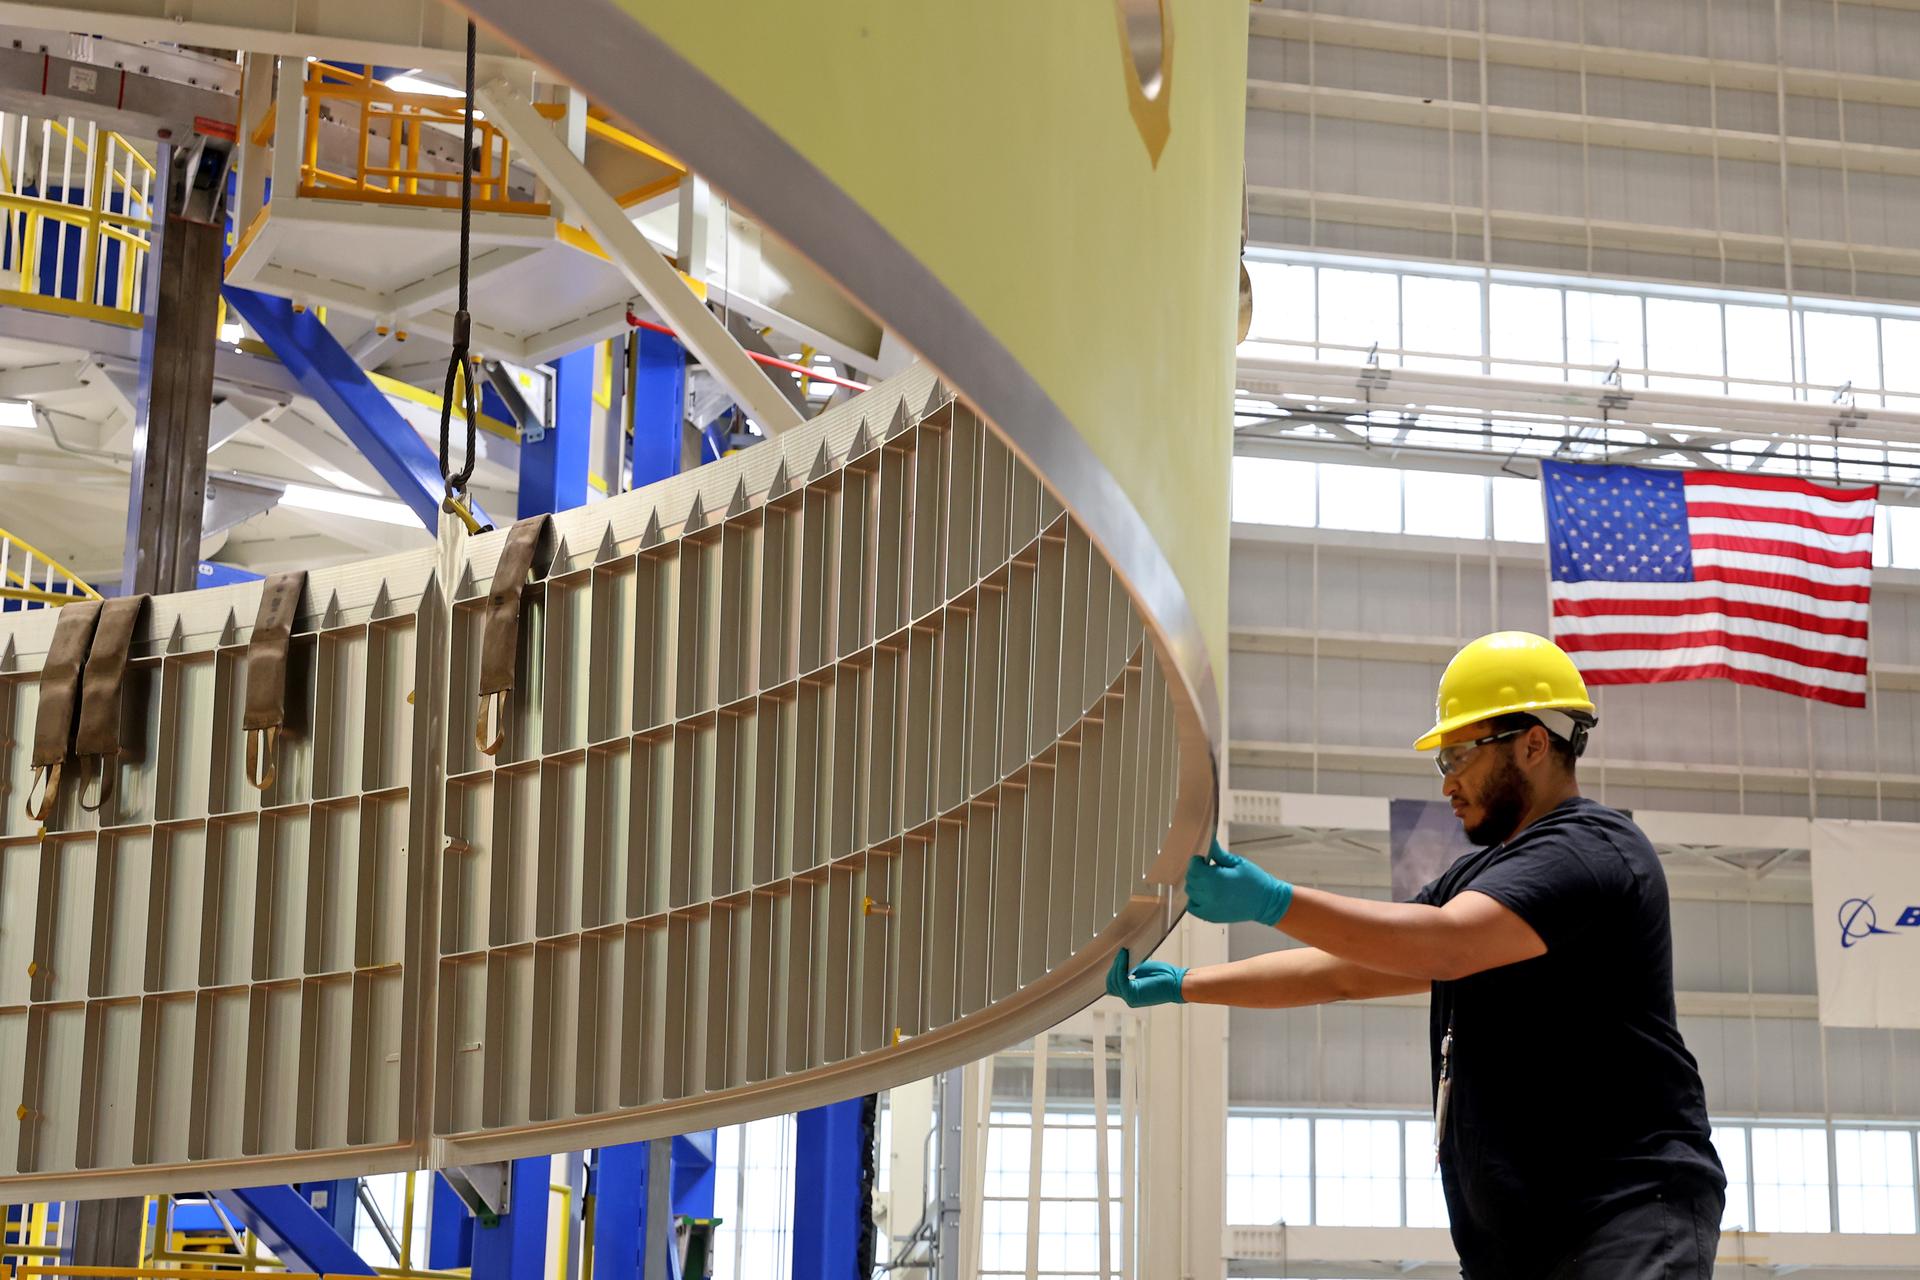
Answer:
(1290, 980)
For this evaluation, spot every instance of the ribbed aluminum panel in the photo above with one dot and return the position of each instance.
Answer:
(827, 765)
(201, 971)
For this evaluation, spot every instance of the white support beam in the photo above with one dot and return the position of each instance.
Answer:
(1596, 770)
(234, 414)
(407, 33)
(1565, 229)
(443, 287)
(649, 273)
(1183, 1123)
(1540, 54)
(1535, 124)
(45, 383)
(253, 161)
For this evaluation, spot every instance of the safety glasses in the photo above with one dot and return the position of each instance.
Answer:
(1451, 759)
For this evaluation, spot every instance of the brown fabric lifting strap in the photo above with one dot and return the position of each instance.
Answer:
(500, 634)
(98, 735)
(59, 695)
(266, 707)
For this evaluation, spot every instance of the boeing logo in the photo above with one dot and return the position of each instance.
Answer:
(1859, 921)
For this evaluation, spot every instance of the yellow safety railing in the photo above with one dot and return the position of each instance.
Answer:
(167, 1253)
(36, 579)
(390, 126)
(75, 218)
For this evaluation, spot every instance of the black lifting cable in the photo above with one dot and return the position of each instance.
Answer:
(457, 362)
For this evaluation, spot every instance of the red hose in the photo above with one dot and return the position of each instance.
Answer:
(772, 362)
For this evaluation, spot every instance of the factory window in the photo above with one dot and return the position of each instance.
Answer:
(1274, 491)
(1841, 349)
(1358, 311)
(1368, 1168)
(1538, 327)
(1269, 1170)
(1360, 498)
(1790, 1186)
(1731, 1143)
(1440, 316)
(1069, 1232)
(1527, 324)
(753, 1197)
(1604, 330)
(1356, 1173)
(1873, 1177)
(1426, 1202)
(1442, 504)
(1760, 349)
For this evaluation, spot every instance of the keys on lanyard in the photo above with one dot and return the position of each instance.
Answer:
(1444, 1094)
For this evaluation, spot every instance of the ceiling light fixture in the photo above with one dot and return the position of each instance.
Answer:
(352, 505)
(18, 414)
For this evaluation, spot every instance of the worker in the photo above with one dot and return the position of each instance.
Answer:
(1570, 1120)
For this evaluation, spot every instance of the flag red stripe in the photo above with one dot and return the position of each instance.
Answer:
(1677, 608)
(1843, 591)
(1789, 550)
(1848, 663)
(1721, 671)
(1781, 484)
(1782, 515)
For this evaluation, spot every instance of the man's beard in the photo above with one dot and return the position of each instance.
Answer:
(1505, 799)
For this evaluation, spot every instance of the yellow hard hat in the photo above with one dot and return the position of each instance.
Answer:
(1503, 673)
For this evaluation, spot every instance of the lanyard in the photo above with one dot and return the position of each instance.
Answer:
(1444, 1094)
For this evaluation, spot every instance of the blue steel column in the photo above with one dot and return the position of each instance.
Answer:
(658, 406)
(553, 469)
(620, 1198)
(515, 1246)
(619, 1207)
(449, 1230)
(829, 1152)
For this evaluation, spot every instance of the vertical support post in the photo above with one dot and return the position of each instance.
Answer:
(658, 405)
(656, 1229)
(515, 1246)
(449, 1230)
(174, 402)
(619, 1190)
(102, 1233)
(256, 100)
(829, 1207)
(696, 217)
(553, 469)
(1182, 1156)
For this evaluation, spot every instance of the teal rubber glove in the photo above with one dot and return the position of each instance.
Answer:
(1226, 889)
(1154, 982)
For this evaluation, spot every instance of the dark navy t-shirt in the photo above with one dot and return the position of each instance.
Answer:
(1574, 1096)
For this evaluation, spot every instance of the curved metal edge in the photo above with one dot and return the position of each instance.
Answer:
(676, 104)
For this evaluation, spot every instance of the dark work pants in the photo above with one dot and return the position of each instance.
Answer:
(1672, 1238)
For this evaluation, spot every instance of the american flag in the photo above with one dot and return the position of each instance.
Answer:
(1696, 575)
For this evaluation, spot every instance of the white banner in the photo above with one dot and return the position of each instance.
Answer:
(1866, 922)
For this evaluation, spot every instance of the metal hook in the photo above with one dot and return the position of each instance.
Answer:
(263, 743)
(46, 780)
(106, 782)
(498, 704)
